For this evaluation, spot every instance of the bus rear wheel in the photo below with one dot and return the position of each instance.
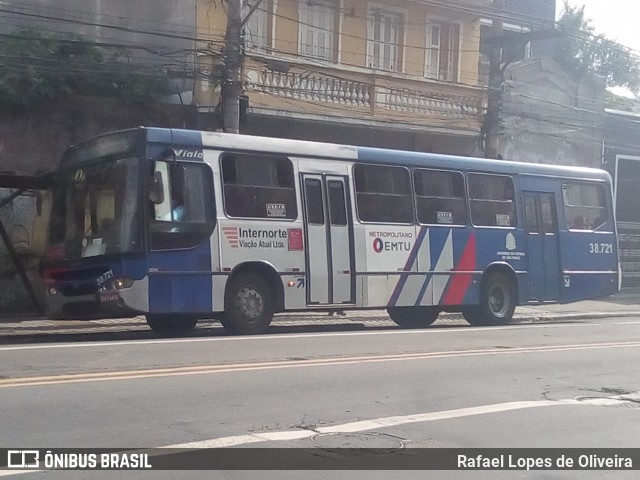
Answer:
(171, 325)
(498, 302)
(249, 305)
(413, 317)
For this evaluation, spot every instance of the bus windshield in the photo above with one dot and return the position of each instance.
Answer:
(96, 210)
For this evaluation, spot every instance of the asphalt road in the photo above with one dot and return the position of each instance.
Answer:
(532, 385)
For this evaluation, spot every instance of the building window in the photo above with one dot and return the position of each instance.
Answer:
(317, 29)
(512, 50)
(256, 32)
(443, 47)
(385, 34)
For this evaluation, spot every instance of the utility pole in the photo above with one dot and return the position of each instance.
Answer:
(491, 125)
(233, 58)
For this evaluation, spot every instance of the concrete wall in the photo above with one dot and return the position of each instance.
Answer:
(157, 32)
(33, 141)
(550, 117)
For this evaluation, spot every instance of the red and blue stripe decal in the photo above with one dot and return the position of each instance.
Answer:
(413, 255)
(463, 261)
(459, 282)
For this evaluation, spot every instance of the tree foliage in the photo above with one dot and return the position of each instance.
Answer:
(36, 67)
(582, 52)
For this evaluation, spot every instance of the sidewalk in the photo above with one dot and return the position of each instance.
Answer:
(624, 304)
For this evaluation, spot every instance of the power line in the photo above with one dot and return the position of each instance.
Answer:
(146, 47)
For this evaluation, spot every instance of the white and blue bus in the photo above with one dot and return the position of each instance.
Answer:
(180, 225)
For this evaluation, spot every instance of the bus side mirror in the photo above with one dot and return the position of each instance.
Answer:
(169, 155)
(156, 195)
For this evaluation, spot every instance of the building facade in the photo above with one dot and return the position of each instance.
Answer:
(396, 73)
(399, 74)
(551, 117)
(622, 160)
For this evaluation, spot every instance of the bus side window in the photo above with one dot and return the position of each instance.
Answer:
(492, 200)
(258, 186)
(440, 197)
(184, 217)
(383, 194)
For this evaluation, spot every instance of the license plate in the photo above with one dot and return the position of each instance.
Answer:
(108, 297)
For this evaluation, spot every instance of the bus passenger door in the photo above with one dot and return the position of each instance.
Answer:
(329, 240)
(541, 223)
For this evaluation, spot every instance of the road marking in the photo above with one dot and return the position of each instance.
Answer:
(274, 365)
(269, 337)
(386, 422)
(372, 424)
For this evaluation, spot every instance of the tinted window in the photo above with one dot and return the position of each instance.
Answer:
(492, 200)
(531, 214)
(440, 197)
(585, 206)
(96, 209)
(337, 207)
(313, 196)
(547, 207)
(383, 194)
(628, 179)
(258, 186)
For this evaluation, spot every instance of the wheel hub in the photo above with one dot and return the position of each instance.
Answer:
(250, 302)
(498, 301)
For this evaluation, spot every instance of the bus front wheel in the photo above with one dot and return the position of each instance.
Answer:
(249, 305)
(498, 302)
(171, 325)
(413, 317)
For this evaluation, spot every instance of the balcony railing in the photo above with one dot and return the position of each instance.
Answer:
(295, 89)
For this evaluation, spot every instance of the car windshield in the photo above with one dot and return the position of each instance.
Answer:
(96, 210)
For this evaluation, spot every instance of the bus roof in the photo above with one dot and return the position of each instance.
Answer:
(417, 159)
(365, 154)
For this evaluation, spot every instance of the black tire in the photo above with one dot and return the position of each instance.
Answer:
(168, 325)
(249, 305)
(498, 302)
(413, 317)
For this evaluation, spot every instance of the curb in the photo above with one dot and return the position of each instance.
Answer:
(29, 323)
(571, 316)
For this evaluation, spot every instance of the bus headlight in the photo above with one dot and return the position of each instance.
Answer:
(122, 283)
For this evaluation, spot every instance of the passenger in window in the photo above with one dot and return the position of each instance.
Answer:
(177, 212)
(579, 223)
